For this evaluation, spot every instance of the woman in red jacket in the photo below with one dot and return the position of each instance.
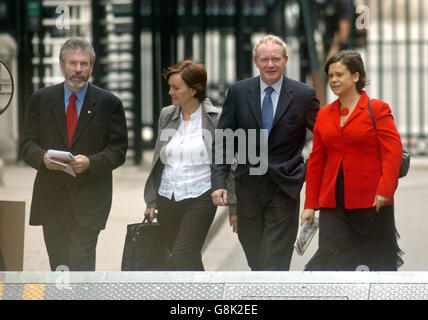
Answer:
(352, 174)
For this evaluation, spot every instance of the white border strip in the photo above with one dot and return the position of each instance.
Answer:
(218, 277)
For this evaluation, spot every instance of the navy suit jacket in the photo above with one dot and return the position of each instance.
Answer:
(296, 111)
(101, 135)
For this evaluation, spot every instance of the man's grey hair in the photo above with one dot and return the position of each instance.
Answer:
(274, 39)
(74, 44)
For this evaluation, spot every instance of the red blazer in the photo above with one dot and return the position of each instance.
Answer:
(370, 160)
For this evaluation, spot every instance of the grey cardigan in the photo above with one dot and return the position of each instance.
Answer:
(169, 119)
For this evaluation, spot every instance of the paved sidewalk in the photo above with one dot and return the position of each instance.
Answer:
(223, 252)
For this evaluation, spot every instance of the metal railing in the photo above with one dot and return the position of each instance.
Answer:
(136, 40)
(397, 63)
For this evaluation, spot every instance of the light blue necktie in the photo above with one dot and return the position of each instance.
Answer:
(267, 109)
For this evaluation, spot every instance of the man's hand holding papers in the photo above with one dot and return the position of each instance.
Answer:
(58, 160)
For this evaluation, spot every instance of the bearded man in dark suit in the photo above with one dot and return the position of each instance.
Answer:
(279, 110)
(89, 122)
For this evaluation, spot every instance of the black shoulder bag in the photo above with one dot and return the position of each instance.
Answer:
(405, 157)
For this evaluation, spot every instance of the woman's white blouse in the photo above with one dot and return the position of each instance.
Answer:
(187, 171)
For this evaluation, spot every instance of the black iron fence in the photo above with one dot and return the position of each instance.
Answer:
(218, 33)
(397, 63)
(136, 40)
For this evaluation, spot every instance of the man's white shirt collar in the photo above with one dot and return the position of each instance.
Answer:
(276, 86)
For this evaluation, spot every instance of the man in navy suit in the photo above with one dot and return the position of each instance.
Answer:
(89, 122)
(267, 202)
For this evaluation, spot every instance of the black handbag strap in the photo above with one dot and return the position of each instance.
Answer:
(146, 219)
(373, 121)
(371, 116)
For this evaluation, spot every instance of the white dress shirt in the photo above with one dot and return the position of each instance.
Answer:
(187, 171)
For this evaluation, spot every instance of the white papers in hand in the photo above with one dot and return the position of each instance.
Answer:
(61, 155)
(66, 167)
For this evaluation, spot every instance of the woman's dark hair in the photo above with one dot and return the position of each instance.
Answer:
(353, 61)
(193, 74)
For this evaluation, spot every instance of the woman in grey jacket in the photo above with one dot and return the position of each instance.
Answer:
(179, 184)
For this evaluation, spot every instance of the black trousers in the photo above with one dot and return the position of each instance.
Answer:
(68, 243)
(185, 225)
(267, 223)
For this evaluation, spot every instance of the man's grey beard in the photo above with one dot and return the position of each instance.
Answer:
(76, 86)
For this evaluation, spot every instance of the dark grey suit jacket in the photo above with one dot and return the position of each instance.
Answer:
(101, 135)
(296, 111)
